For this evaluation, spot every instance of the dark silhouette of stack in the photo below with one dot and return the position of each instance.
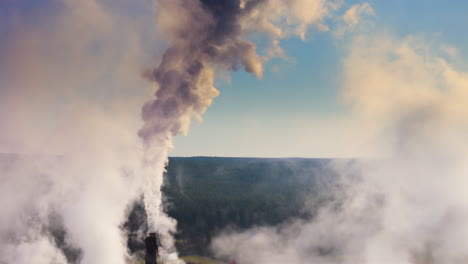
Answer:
(151, 244)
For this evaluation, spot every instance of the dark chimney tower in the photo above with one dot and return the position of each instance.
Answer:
(151, 244)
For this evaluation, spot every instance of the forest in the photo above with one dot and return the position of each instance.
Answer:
(208, 195)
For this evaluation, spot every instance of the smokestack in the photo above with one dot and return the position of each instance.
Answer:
(151, 245)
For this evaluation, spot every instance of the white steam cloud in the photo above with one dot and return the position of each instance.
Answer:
(68, 119)
(408, 206)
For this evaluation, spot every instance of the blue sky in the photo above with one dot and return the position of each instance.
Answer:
(250, 115)
(296, 109)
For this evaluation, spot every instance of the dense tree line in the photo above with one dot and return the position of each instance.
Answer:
(207, 195)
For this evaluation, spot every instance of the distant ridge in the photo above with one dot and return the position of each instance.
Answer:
(246, 157)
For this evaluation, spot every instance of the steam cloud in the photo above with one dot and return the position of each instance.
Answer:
(410, 204)
(69, 161)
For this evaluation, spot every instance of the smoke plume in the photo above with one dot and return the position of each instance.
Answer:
(206, 36)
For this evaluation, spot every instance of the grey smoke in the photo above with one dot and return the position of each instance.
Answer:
(203, 38)
(205, 35)
(210, 37)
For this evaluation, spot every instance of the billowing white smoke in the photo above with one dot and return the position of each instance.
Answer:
(69, 112)
(409, 205)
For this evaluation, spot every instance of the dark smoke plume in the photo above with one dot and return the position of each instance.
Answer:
(208, 37)
(212, 38)
(205, 36)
